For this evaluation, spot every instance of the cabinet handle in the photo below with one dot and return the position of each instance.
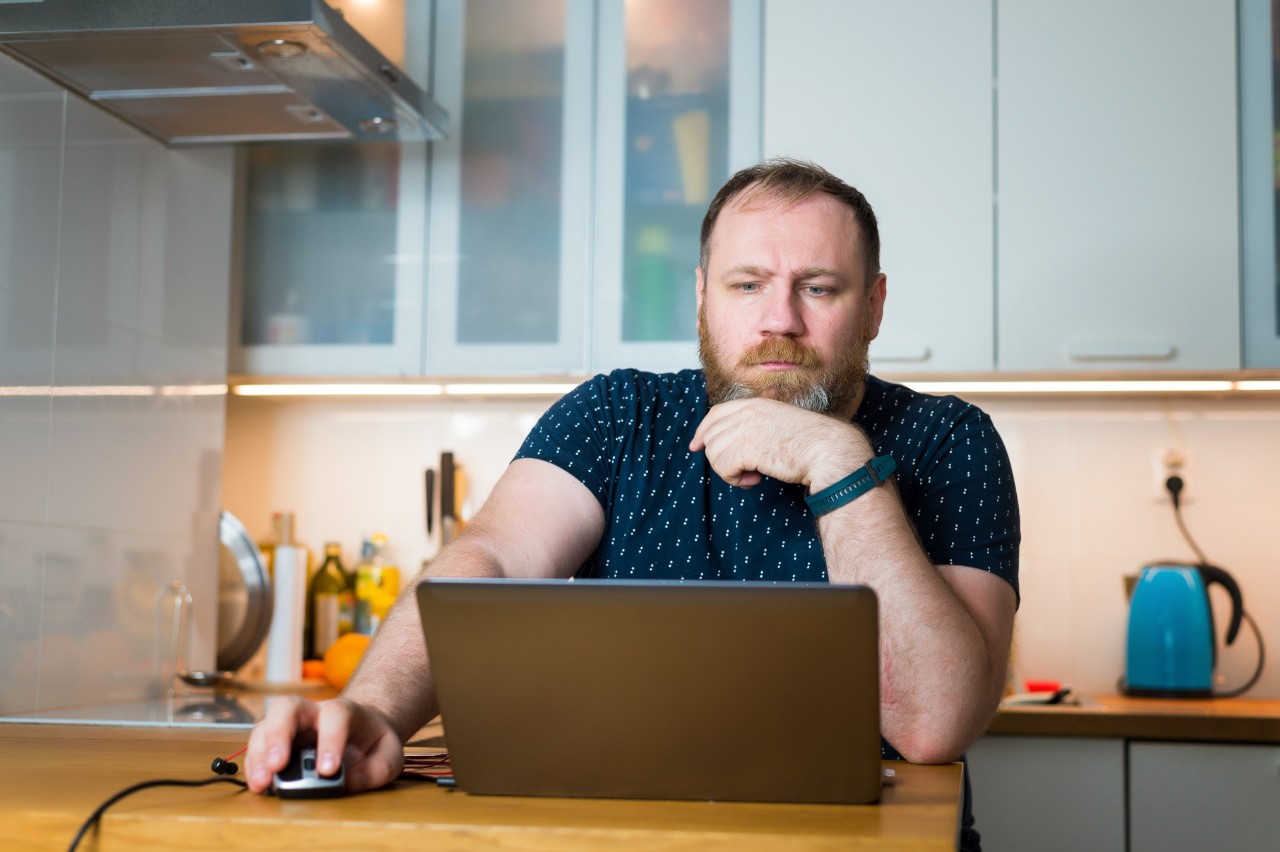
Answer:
(901, 354)
(1120, 350)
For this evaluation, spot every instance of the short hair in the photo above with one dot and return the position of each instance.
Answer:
(791, 180)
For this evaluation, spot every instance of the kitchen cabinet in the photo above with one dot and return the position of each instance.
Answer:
(1258, 186)
(1055, 183)
(896, 99)
(1184, 773)
(330, 241)
(1049, 793)
(1073, 793)
(510, 193)
(678, 111)
(1117, 238)
(1203, 796)
(576, 252)
(560, 231)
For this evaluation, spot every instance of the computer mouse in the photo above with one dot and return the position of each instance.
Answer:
(301, 780)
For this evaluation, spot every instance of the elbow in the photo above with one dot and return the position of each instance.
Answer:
(939, 737)
(932, 747)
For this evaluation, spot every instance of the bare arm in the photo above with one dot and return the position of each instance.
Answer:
(539, 522)
(944, 630)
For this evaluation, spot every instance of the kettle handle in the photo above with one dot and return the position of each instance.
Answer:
(1213, 574)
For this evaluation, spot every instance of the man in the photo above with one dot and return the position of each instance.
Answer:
(704, 475)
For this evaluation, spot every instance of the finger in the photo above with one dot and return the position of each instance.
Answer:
(272, 739)
(378, 766)
(714, 415)
(332, 732)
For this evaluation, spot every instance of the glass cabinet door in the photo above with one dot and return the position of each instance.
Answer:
(510, 188)
(331, 242)
(1260, 181)
(678, 112)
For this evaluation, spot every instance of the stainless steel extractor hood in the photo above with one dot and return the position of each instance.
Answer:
(213, 71)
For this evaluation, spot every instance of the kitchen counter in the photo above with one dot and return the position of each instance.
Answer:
(55, 775)
(1224, 720)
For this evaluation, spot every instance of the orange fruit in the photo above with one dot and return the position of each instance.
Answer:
(313, 670)
(341, 658)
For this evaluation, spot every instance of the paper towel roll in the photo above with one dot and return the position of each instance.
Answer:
(288, 611)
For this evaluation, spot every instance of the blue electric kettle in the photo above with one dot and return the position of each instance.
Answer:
(1172, 649)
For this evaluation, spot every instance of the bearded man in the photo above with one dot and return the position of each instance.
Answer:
(772, 463)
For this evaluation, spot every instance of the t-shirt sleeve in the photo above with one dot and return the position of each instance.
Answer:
(966, 513)
(576, 435)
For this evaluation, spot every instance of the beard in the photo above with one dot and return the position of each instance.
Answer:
(812, 386)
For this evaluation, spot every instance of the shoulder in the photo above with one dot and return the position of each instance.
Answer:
(641, 389)
(894, 406)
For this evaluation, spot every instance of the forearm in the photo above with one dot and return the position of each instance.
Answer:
(538, 522)
(939, 673)
(394, 676)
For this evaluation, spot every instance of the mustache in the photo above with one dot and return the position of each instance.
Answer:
(780, 349)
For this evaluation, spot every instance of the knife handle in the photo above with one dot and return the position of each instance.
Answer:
(430, 497)
(447, 501)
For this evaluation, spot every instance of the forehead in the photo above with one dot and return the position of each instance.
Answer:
(817, 224)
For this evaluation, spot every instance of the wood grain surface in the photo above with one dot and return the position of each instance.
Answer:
(55, 775)
(1226, 720)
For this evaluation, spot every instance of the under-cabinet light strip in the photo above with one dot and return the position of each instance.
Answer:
(406, 389)
(1067, 387)
(1178, 386)
(556, 389)
(114, 390)
(348, 389)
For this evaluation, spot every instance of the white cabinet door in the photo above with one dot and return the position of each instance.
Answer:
(1197, 796)
(678, 111)
(510, 188)
(332, 240)
(1117, 234)
(896, 99)
(1049, 793)
(1258, 186)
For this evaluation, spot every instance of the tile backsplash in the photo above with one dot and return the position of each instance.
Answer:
(1083, 467)
(114, 286)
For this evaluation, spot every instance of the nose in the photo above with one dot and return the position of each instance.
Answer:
(781, 314)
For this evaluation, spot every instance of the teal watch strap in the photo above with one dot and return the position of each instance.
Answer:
(852, 486)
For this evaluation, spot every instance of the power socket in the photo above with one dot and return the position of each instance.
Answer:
(1167, 462)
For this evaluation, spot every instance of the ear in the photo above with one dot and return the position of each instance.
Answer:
(875, 305)
(700, 286)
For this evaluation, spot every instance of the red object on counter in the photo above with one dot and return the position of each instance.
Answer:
(1042, 685)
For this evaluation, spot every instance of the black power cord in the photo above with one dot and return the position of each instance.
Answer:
(128, 791)
(1174, 485)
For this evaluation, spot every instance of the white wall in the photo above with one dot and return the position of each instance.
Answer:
(114, 273)
(1083, 469)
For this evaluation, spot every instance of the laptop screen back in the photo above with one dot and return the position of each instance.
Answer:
(628, 689)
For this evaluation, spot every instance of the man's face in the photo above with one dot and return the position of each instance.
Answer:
(783, 310)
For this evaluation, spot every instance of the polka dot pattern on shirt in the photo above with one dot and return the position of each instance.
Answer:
(626, 437)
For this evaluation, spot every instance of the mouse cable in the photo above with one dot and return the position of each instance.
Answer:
(97, 814)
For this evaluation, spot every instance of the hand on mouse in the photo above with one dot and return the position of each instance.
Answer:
(345, 730)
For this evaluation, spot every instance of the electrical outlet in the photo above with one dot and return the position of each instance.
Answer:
(1167, 462)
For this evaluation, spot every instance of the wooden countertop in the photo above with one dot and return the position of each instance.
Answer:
(1226, 720)
(55, 775)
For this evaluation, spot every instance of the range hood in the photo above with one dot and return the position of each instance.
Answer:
(192, 72)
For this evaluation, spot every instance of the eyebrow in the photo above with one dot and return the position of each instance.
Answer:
(753, 271)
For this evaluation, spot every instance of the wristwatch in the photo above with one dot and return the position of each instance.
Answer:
(852, 486)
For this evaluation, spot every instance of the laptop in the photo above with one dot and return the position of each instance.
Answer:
(657, 690)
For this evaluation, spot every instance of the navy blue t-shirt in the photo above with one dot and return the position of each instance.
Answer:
(668, 515)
